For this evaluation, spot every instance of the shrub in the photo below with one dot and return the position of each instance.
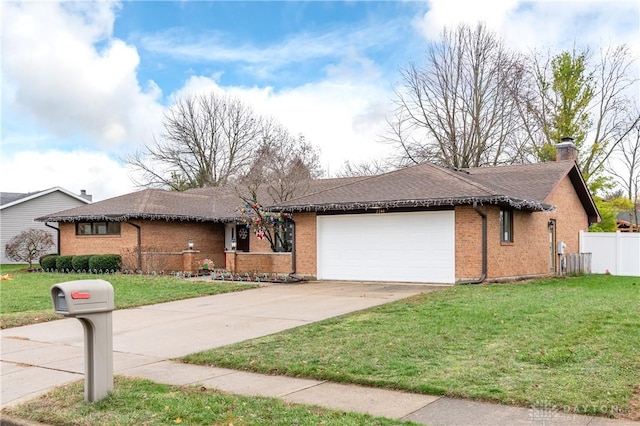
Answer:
(48, 262)
(105, 262)
(63, 263)
(81, 262)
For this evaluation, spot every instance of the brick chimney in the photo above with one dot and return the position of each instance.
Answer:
(83, 194)
(566, 150)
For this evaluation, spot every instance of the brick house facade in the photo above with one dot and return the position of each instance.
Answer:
(542, 204)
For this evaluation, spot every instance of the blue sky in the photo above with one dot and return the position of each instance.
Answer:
(83, 84)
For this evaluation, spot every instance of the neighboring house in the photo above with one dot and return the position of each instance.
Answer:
(18, 211)
(418, 224)
(627, 222)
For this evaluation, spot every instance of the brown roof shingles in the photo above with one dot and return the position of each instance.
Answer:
(524, 186)
(426, 185)
(146, 204)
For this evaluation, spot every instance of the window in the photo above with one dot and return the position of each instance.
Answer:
(506, 226)
(98, 228)
(284, 237)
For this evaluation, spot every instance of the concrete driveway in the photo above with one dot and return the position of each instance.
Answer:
(39, 357)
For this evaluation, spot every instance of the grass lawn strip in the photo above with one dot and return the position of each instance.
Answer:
(571, 343)
(141, 402)
(26, 297)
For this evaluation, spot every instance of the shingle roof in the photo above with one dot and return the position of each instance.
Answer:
(627, 217)
(10, 197)
(425, 185)
(152, 204)
(211, 204)
(526, 181)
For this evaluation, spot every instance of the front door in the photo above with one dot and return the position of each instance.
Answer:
(552, 246)
(242, 238)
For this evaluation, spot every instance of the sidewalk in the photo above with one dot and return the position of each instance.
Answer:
(38, 358)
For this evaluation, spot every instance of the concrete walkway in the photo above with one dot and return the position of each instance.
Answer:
(37, 358)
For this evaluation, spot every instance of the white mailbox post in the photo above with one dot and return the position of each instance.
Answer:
(91, 302)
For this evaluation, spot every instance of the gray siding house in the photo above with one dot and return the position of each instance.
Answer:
(18, 211)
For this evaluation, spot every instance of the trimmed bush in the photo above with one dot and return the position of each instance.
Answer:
(49, 261)
(81, 262)
(105, 262)
(63, 263)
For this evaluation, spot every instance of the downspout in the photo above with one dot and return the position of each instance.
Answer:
(139, 248)
(484, 247)
(57, 233)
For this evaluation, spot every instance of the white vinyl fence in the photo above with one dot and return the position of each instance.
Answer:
(617, 253)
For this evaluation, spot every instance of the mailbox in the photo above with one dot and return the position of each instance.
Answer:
(91, 302)
(82, 297)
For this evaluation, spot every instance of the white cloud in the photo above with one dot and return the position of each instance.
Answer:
(342, 117)
(448, 13)
(296, 48)
(97, 173)
(62, 68)
(541, 24)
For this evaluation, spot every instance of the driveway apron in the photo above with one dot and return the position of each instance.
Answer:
(39, 357)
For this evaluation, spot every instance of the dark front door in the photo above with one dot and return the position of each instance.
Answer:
(552, 245)
(242, 238)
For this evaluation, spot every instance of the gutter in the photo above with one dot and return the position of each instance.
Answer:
(484, 248)
(139, 248)
(57, 233)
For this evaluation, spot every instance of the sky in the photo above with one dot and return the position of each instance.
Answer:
(85, 84)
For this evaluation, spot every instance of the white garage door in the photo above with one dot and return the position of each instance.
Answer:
(411, 247)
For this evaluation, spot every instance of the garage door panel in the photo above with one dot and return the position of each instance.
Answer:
(412, 246)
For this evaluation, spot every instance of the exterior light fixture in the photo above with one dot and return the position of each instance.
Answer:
(233, 245)
(190, 244)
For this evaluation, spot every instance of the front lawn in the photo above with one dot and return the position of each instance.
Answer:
(570, 343)
(141, 402)
(26, 297)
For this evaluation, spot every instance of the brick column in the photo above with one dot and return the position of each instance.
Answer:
(230, 261)
(189, 260)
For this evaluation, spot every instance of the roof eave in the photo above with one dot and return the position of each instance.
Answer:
(128, 217)
(423, 203)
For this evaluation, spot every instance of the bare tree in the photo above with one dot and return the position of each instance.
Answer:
(460, 109)
(207, 140)
(574, 96)
(370, 168)
(281, 168)
(29, 245)
(628, 174)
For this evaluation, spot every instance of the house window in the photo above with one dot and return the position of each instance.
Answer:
(506, 226)
(98, 228)
(284, 237)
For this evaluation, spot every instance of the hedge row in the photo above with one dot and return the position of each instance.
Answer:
(97, 262)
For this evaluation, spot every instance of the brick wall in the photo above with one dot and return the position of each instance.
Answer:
(258, 245)
(570, 216)
(266, 262)
(162, 242)
(305, 244)
(468, 243)
(530, 252)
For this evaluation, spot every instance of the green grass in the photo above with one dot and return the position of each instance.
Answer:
(141, 402)
(12, 268)
(571, 342)
(26, 298)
